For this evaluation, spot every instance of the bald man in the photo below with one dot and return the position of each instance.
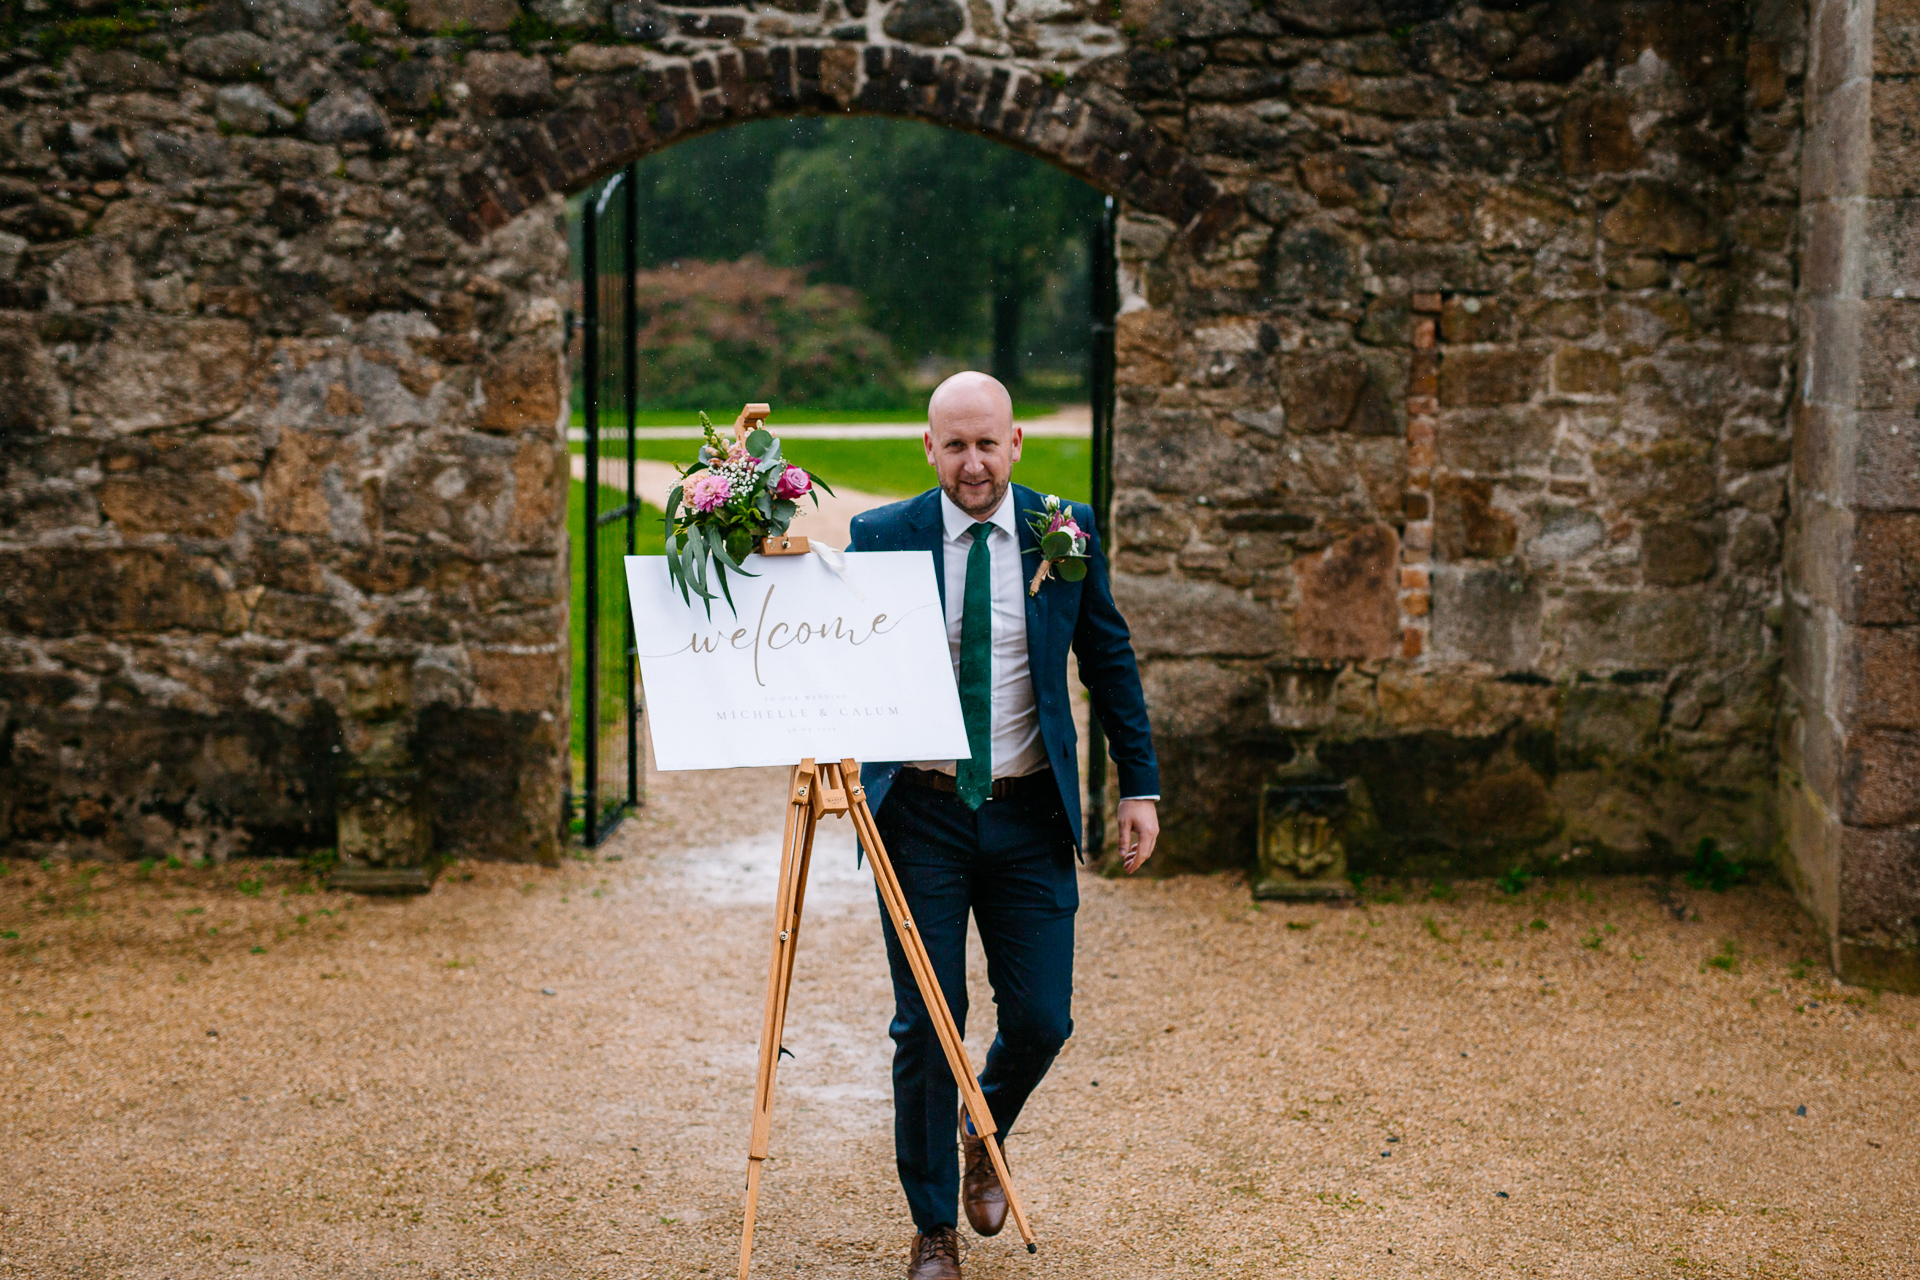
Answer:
(995, 835)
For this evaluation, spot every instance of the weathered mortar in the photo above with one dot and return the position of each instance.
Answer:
(1455, 369)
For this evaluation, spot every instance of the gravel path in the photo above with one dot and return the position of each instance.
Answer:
(220, 1073)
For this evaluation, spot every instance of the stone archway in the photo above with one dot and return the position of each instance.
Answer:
(642, 102)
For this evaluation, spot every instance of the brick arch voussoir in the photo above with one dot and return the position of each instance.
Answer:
(672, 99)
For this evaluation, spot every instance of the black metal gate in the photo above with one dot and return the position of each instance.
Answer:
(1104, 299)
(608, 749)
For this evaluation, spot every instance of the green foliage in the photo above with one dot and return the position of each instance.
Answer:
(718, 333)
(1538, 925)
(320, 863)
(251, 887)
(126, 25)
(1713, 869)
(927, 224)
(1513, 881)
(1727, 959)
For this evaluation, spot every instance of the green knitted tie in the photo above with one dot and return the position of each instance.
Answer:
(975, 781)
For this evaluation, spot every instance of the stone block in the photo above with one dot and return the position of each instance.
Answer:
(506, 681)
(1565, 533)
(1880, 886)
(925, 22)
(1675, 553)
(1840, 45)
(1833, 356)
(1881, 689)
(1880, 779)
(452, 15)
(1526, 218)
(1602, 723)
(1172, 617)
(1197, 698)
(1662, 216)
(33, 401)
(1659, 477)
(1313, 261)
(94, 273)
(1579, 371)
(1486, 442)
(1474, 319)
(346, 115)
(1834, 235)
(1622, 630)
(1145, 342)
(1890, 246)
(60, 591)
(231, 55)
(153, 371)
(1893, 173)
(509, 84)
(1472, 379)
(1360, 392)
(1889, 354)
(1466, 524)
(522, 388)
(1349, 605)
(1485, 615)
(1339, 178)
(161, 501)
(1430, 208)
(1884, 585)
(1838, 144)
(1885, 458)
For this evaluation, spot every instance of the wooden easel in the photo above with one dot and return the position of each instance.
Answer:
(817, 790)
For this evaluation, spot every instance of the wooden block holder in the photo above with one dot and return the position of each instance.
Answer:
(815, 791)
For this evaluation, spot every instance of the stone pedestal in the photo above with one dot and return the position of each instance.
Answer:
(1303, 847)
(384, 837)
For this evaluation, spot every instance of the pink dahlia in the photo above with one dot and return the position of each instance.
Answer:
(707, 491)
(793, 483)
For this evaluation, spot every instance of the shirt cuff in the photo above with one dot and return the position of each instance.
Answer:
(1154, 797)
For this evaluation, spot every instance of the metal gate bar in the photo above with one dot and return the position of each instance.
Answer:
(607, 536)
(1104, 301)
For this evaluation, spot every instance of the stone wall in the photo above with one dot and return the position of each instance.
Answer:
(1850, 728)
(1455, 370)
(1462, 448)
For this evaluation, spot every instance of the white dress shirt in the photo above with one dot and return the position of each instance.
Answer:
(1017, 749)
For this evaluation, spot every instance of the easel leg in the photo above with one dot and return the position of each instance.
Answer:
(916, 952)
(796, 852)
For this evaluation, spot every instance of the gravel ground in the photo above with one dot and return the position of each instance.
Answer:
(547, 1073)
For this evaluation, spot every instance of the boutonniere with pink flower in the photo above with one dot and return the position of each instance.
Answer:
(735, 494)
(1063, 545)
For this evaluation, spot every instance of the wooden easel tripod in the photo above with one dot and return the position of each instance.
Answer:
(817, 790)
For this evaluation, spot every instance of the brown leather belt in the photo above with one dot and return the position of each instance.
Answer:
(1025, 787)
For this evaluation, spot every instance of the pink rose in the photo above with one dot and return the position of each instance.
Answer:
(793, 483)
(708, 490)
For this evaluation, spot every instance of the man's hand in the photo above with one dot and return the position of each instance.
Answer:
(1139, 828)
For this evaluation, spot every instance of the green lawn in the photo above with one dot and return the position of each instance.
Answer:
(648, 541)
(898, 468)
(723, 418)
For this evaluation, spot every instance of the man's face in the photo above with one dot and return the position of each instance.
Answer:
(973, 444)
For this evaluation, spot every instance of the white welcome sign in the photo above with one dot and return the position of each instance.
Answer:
(807, 663)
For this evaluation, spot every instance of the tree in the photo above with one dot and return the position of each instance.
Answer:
(947, 235)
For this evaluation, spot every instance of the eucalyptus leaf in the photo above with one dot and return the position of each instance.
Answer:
(1057, 545)
(783, 511)
(771, 461)
(759, 441)
(1071, 570)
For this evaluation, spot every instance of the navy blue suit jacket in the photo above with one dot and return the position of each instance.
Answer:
(1077, 615)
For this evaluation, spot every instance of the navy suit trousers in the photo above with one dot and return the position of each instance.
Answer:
(1011, 864)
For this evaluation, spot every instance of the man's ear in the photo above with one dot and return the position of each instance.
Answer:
(926, 441)
(1017, 435)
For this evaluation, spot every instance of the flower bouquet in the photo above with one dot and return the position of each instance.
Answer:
(1063, 544)
(735, 494)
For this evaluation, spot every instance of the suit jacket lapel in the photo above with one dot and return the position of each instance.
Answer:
(1026, 506)
(928, 534)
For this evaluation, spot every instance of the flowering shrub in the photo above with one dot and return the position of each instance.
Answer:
(733, 495)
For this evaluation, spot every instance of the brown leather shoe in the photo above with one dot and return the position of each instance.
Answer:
(980, 1188)
(936, 1256)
